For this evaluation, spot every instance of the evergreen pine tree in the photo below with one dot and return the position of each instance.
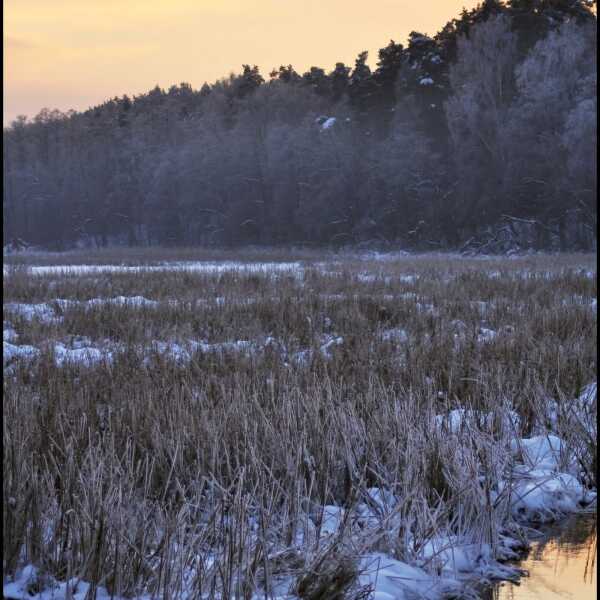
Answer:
(340, 79)
(248, 81)
(361, 86)
(317, 81)
(388, 67)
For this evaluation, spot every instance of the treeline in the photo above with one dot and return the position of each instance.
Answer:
(483, 136)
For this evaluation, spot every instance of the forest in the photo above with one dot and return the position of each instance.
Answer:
(480, 138)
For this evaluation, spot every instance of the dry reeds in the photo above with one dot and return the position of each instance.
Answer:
(208, 478)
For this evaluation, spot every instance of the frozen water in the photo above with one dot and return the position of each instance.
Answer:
(189, 266)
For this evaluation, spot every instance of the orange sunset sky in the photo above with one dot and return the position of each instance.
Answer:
(76, 53)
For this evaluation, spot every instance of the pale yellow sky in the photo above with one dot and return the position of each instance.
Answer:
(77, 53)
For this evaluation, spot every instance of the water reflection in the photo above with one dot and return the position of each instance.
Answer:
(561, 565)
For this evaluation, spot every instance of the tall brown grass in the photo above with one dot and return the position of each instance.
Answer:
(149, 476)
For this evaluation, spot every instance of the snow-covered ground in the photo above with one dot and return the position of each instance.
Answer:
(541, 485)
(185, 266)
(538, 478)
(80, 350)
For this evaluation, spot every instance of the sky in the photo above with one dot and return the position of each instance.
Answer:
(73, 54)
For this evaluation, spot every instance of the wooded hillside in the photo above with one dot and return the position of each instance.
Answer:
(482, 136)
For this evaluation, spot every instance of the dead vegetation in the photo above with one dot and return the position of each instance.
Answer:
(210, 478)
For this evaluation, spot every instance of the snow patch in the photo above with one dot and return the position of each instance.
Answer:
(486, 335)
(11, 353)
(408, 278)
(331, 520)
(462, 419)
(540, 452)
(392, 579)
(42, 312)
(133, 301)
(328, 346)
(397, 335)
(82, 355)
(30, 579)
(542, 496)
(9, 335)
(328, 123)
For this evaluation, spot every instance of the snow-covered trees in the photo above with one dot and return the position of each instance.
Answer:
(482, 87)
(553, 126)
(485, 124)
(523, 128)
